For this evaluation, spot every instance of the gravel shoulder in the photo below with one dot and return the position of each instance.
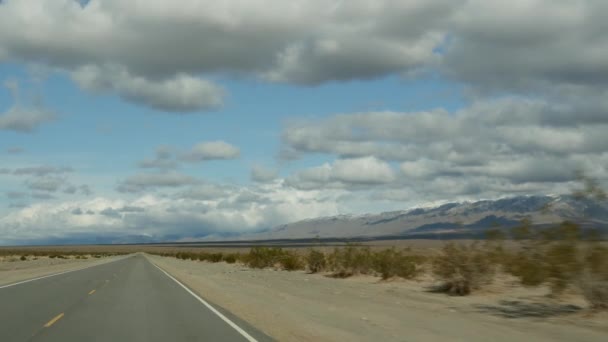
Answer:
(13, 270)
(297, 306)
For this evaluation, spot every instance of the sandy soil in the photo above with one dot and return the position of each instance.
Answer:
(295, 306)
(13, 270)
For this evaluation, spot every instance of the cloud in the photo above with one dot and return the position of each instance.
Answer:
(344, 173)
(15, 150)
(42, 195)
(47, 184)
(180, 93)
(156, 217)
(164, 159)
(203, 192)
(147, 181)
(211, 150)
(16, 195)
(154, 55)
(490, 148)
(24, 120)
(111, 213)
(42, 170)
(501, 46)
(262, 174)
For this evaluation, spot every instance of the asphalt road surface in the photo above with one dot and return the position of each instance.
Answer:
(124, 300)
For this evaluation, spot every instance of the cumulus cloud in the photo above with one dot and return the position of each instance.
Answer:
(179, 93)
(207, 191)
(486, 44)
(233, 210)
(163, 160)
(42, 170)
(154, 54)
(148, 181)
(262, 174)
(500, 45)
(47, 184)
(211, 150)
(15, 150)
(24, 120)
(490, 148)
(366, 171)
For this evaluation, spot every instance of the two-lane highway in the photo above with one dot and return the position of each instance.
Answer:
(125, 300)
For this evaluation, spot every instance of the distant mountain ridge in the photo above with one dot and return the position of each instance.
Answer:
(451, 219)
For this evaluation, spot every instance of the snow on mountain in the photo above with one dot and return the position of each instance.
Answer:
(460, 218)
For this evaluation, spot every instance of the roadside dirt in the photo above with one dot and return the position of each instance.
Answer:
(295, 306)
(13, 270)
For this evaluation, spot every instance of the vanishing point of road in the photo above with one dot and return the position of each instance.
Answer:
(125, 300)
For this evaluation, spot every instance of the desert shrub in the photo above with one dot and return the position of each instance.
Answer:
(595, 290)
(291, 261)
(316, 261)
(550, 256)
(462, 268)
(262, 257)
(528, 266)
(215, 257)
(563, 266)
(596, 259)
(23, 258)
(350, 260)
(231, 258)
(392, 263)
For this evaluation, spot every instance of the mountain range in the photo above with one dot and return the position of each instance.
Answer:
(465, 219)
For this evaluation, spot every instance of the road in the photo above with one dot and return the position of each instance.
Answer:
(125, 300)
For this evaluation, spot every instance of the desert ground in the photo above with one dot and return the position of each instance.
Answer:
(299, 306)
(13, 270)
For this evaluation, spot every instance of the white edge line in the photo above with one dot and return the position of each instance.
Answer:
(219, 314)
(56, 274)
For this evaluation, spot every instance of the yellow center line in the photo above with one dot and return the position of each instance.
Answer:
(54, 320)
(92, 291)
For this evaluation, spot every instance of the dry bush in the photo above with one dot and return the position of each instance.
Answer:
(316, 261)
(392, 263)
(291, 261)
(350, 260)
(231, 258)
(528, 266)
(262, 257)
(462, 269)
(595, 290)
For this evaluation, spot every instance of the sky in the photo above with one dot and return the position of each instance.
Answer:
(150, 120)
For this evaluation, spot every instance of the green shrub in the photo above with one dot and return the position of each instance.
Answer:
(23, 258)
